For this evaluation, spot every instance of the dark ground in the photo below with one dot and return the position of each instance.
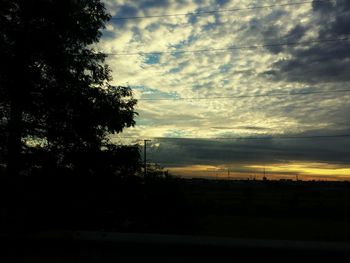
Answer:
(272, 209)
(243, 210)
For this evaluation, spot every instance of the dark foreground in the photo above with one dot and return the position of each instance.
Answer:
(77, 219)
(126, 247)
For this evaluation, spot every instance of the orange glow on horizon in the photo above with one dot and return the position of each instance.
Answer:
(303, 170)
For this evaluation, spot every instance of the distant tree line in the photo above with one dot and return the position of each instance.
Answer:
(57, 106)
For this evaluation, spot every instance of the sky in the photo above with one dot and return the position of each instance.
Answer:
(225, 86)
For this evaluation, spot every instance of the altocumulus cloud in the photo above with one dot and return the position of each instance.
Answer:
(319, 63)
(316, 65)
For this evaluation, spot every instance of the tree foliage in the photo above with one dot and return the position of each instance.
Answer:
(55, 91)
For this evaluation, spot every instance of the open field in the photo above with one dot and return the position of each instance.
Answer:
(238, 209)
(272, 209)
(248, 215)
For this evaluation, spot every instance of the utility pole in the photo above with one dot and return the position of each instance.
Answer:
(145, 157)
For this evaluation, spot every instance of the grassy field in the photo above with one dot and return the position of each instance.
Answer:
(263, 210)
(271, 210)
(275, 228)
(240, 209)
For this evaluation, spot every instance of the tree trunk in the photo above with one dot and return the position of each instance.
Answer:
(14, 146)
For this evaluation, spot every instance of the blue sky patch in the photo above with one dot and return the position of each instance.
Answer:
(225, 82)
(225, 68)
(152, 59)
(107, 34)
(198, 87)
(150, 93)
(179, 68)
(175, 70)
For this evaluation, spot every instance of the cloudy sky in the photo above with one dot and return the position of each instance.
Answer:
(209, 71)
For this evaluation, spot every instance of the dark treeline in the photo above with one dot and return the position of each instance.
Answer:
(59, 169)
(86, 203)
(57, 113)
(57, 104)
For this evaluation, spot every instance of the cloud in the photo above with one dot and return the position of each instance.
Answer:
(181, 152)
(273, 69)
(319, 62)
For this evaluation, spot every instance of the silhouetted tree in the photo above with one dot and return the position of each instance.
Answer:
(154, 170)
(54, 86)
(116, 160)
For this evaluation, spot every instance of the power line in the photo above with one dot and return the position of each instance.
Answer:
(172, 24)
(243, 138)
(199, 13)
(230, 48)
(169, 23)
(249, 96)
